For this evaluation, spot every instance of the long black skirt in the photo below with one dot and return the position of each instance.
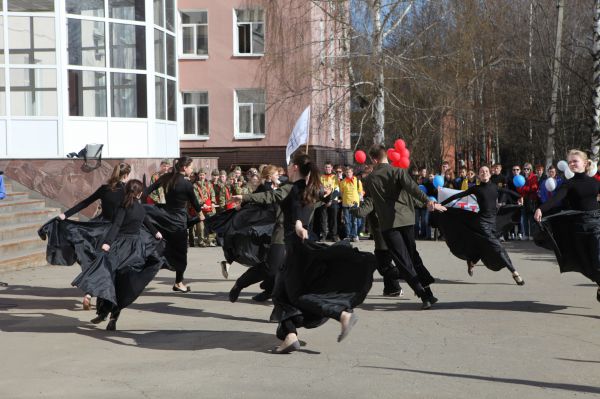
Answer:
(120, 275)
(172, 224)
(472, 238)
(319, 281)
(574, 236)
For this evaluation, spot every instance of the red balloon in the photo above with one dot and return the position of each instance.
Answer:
(360, 156)
(399, 145)
(404, 163)
(393, 155)
(405, 153)
(396, 163)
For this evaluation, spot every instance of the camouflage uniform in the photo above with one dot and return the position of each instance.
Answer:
(206, 194)
(158, 196)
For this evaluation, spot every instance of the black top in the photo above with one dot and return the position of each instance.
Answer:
(179, 194)
(129, 221)
(487, 195)
(581, 192)
(293, 209)
(110, 200)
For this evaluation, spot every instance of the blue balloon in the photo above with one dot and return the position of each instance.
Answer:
(438, 181)
(432, 199)
(519, 181)
(423, 188)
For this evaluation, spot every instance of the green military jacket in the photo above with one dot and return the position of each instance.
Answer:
(204, 191)
(385, 186)
(223, 194)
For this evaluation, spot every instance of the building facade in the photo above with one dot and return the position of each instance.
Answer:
(248, 69)
(77, 72)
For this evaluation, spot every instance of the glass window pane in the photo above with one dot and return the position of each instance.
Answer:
(250, 15)
(159, 51)
(258, 39)
(33, 92)
(197, 98)
(251, 96)
(87, 93)
(259, 118)
(86, 42)
(171, 101)
(244, 39)
(245, 119)
(30, 6)
(2, 95)
(23, 31)
(171, 60)
(90, 8)
(202, 121)
(127, 9)
(196, 17)
(170, 14)
(159, 13)
(159, 96)
(127, 46)
(189, 120)
(2, 43)
(128, 95)
(188, 39)
(202, 40)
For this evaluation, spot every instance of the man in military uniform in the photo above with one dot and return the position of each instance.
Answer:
(223, 192)
(158, 196)
(206, 194)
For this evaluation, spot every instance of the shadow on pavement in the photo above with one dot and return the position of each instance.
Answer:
(578, 360)
(538, 384)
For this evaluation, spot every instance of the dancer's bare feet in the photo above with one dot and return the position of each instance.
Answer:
(518, 279)
(87, 302)
(347, 321)
(289, 344)
(470, 267)
(180, 287)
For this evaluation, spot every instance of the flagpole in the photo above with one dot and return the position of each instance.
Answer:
(308, 134)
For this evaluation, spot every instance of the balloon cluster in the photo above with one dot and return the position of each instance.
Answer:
(399, 156)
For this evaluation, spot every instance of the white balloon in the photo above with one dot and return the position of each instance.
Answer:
(562, 166)
(593, 169)
(550, 184)
(569, 174)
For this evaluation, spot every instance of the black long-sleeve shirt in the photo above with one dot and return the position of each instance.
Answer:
(129, 221)
(487, 195)
(110, 200)
(179, 194)
(581, 192)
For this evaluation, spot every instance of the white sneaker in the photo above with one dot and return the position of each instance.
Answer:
(520, 237)
(501, 239)
(225, 269)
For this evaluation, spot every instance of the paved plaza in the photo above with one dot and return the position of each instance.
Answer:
(486, 338)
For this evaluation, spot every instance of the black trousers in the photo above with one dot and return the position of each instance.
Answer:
(265, 272)
(103, 308)
(403, 250)
(329, 218)
(388, 271)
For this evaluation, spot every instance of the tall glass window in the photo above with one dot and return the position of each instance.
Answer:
(250, 32)
(250, 112)
(128, 95)
(127, 46)
(32, 40)
(127, 9)
(33, 92)
(165, 60)
(87, 93)
(195, 114)
(194, 32)
(86, 42)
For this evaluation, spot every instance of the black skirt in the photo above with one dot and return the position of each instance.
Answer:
(472, 238)
(172, 224)
(574, 236)
(319, 281)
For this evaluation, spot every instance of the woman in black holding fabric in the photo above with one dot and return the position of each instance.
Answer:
(171, 219)
(481, 235)
(575, 235)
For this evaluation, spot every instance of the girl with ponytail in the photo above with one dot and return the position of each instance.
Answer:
(130, 260)
(172, 218)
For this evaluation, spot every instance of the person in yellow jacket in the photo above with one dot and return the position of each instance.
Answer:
(351, 191)
(329, 211)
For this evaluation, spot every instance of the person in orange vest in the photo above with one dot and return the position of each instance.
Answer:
(351, 191)
(329, 211)
(206, 194)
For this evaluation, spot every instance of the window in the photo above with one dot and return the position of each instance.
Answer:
(88, 8)
(128, 95)
(33, 92)
(250, 37)
(195, 32)
(170, 14)
(127, 9)
(159, 51)
(159, 98)
(171, 55)
(32, 40)
(31, 6)
(86, 43)
(2, 94)
(159, 13)
(87, 93)
(127, 46)
(250, 112)
(195, 113)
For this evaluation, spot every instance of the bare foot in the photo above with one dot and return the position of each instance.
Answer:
(347, 320)
(87, 302)
(289, 344)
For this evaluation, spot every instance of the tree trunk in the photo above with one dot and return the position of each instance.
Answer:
(596, 87)
(379, 104)
(555, 83)
(530, 73)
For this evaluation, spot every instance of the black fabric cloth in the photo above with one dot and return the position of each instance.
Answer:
(574, 236)
(110, 201)
(472, 238)
(129, 221)
(580, 193)
(179, 194)
(487, 198)
(172, 224)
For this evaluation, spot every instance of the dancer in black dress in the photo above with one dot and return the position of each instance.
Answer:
(111, 197)
(574, 235)
(317, 282)
(130, 260)
(480, 233)
(171, 218)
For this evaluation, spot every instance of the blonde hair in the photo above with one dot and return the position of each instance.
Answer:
(267, 171)
(583, 156)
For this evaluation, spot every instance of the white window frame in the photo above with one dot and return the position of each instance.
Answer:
(236, 111)
(236, 25)
(196, 56)
(196, 136)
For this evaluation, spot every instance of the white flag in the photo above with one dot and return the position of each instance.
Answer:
(467, 203)
(299, 135)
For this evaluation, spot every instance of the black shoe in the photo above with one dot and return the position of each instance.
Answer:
(261, 297)
(177, 289)
(234, 293)
(598, 294)
(112, 325)
(98, 319)
(426, 304)
(391, 293)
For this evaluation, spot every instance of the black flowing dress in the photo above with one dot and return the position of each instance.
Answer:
(118, 277)
(472, 236)
(317, 281)
(73, 241)
(574, 234)
(171, 219)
